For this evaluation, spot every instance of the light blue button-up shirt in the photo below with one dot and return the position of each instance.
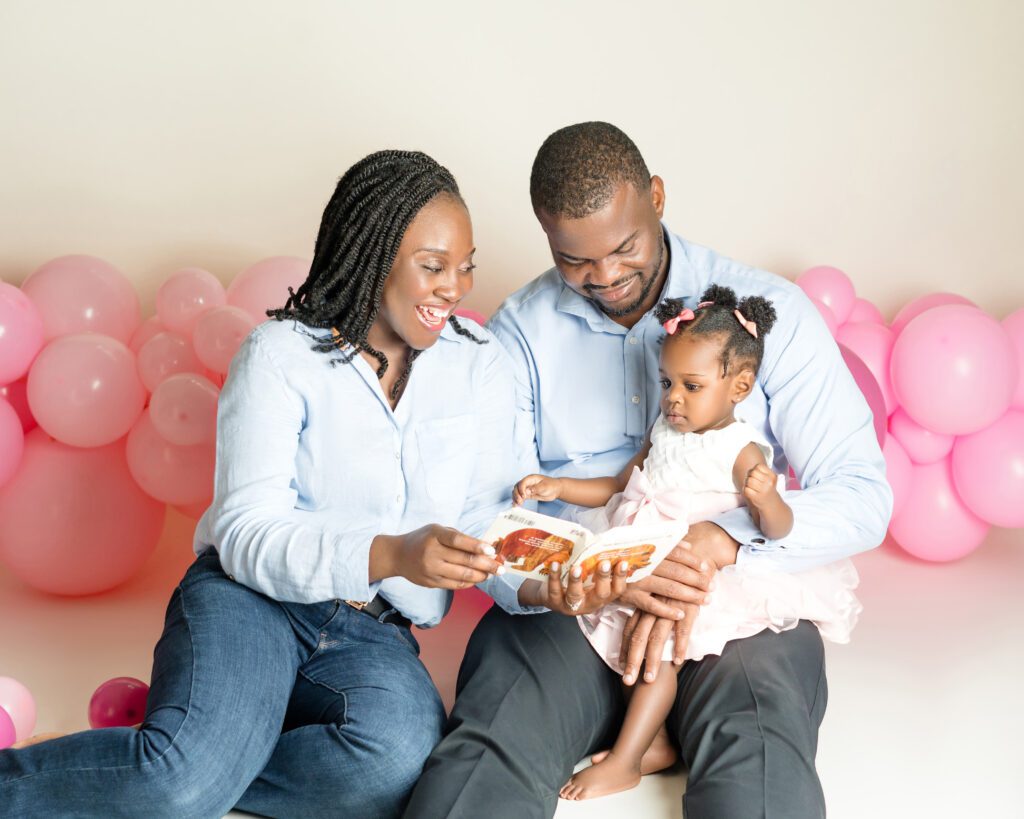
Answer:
(312, 464)
(587, 391)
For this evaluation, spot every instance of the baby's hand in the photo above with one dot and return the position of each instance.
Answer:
(536, 487)
(760, 487)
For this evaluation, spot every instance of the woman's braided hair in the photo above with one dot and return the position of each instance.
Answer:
(718, 318)
(362, 227)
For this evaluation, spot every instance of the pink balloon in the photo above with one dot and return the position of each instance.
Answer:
(988, 470)
(479, 318)
(873, 345)
(1014, 326)
(830, 286)
(218, 335)
(19, 704)
(164, 355)
(74, 520)
(194, 510)
(184, 409)
(934, 524)
(80, 294)
(179, 475)
(922, 445)
(21, 333)
(953, 369)
(869, 389)
(864, 310)
(914, 308)
(264, 285)
(144, 332)
(12, 442)
(84, 390)
(899, 472)
(16, 395)
(8, 733)
(120, 702)
(185, 296)
(827, 314)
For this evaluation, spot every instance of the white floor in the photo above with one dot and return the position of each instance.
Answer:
(924, 717)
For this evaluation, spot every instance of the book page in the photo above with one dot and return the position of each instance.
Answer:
(527, 543)
(643, 547)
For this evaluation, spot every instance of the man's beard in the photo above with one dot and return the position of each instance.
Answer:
(645, 291)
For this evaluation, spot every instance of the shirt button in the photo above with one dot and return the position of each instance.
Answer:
(398, 498)
(632, 339)
(635, 399)
(398, 456)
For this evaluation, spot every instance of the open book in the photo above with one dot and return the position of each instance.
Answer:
(527, 543)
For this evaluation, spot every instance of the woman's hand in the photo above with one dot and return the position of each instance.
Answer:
(574, 599)
(437, 557)
(536, 487)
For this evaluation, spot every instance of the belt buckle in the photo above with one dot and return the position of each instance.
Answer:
(358, 605)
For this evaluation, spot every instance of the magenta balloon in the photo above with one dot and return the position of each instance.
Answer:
(144, 332)
(869, 389)
(873, 345)
(179, 475)
(75, 522)
(264, 285)
(164, 355)
(988, 470)
(830, 286)
(120, 702)
(1014, 326)
(79, 294)
(12, 442)
(922, 445)
(8, 733)
(899, 471)
(953, 369)
(185, 296)
(21, 333)
(16, 395)
(826, 314)
(19, 704)
(479, 318)
(864, 310)
(84, 389)
(914, 308)
(218, 335)
(933, 523)
(184, 409)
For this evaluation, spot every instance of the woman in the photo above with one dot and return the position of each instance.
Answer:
(287, 681)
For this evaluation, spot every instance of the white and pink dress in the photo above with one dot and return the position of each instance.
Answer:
(689, 476)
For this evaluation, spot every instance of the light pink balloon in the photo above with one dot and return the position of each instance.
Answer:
(179, 475)
(869, 388)
(84, 389)
(827, 314)
(218, 335)
(185, 296)
(914, 308)
(144, 332)
(1014, 326)
(479, 318)
(12, 442)
(830, 286)
(922, 445)
(164, 355)
(83, 294)
(933, 523)
(120, 702)
(864, 310)
(20, 706)
(873, 345)
(988, 470)
(194, 510)
(21, 333)
(264, 285)
(75, 522)
(8, 733)
(953, 369)
(184, 409)
(16, 395)
(899, 471)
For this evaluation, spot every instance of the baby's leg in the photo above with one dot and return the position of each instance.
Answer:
(621, 768)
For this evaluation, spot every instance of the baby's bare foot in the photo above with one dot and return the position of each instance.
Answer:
(611, 775)
(662, 754)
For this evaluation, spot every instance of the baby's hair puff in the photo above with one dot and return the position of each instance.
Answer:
(739, 324)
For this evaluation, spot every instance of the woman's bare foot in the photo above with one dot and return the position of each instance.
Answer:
(611, 775)
(34, 740)
(661, 755)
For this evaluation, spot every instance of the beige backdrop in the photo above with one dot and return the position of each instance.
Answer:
(883, 137)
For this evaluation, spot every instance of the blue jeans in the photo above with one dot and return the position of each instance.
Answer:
(279, 709)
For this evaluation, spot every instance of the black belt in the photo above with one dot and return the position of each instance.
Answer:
(378, 607)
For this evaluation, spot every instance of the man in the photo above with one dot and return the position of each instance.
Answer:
(533, 698)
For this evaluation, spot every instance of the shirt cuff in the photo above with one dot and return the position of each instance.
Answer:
(754, 546)
(505, 592)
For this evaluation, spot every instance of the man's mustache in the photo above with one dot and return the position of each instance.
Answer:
(591, 288)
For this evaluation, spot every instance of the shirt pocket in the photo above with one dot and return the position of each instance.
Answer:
(447, 450)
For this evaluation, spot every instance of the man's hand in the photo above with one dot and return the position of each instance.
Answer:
(536, 487)
(574, 599)
(644, 638)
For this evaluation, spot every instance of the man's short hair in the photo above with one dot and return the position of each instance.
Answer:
(579, 168)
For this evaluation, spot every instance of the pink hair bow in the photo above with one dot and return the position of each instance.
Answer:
(748, 325)
(686, 314)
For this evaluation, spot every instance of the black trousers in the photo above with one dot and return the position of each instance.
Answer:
(533, 699)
